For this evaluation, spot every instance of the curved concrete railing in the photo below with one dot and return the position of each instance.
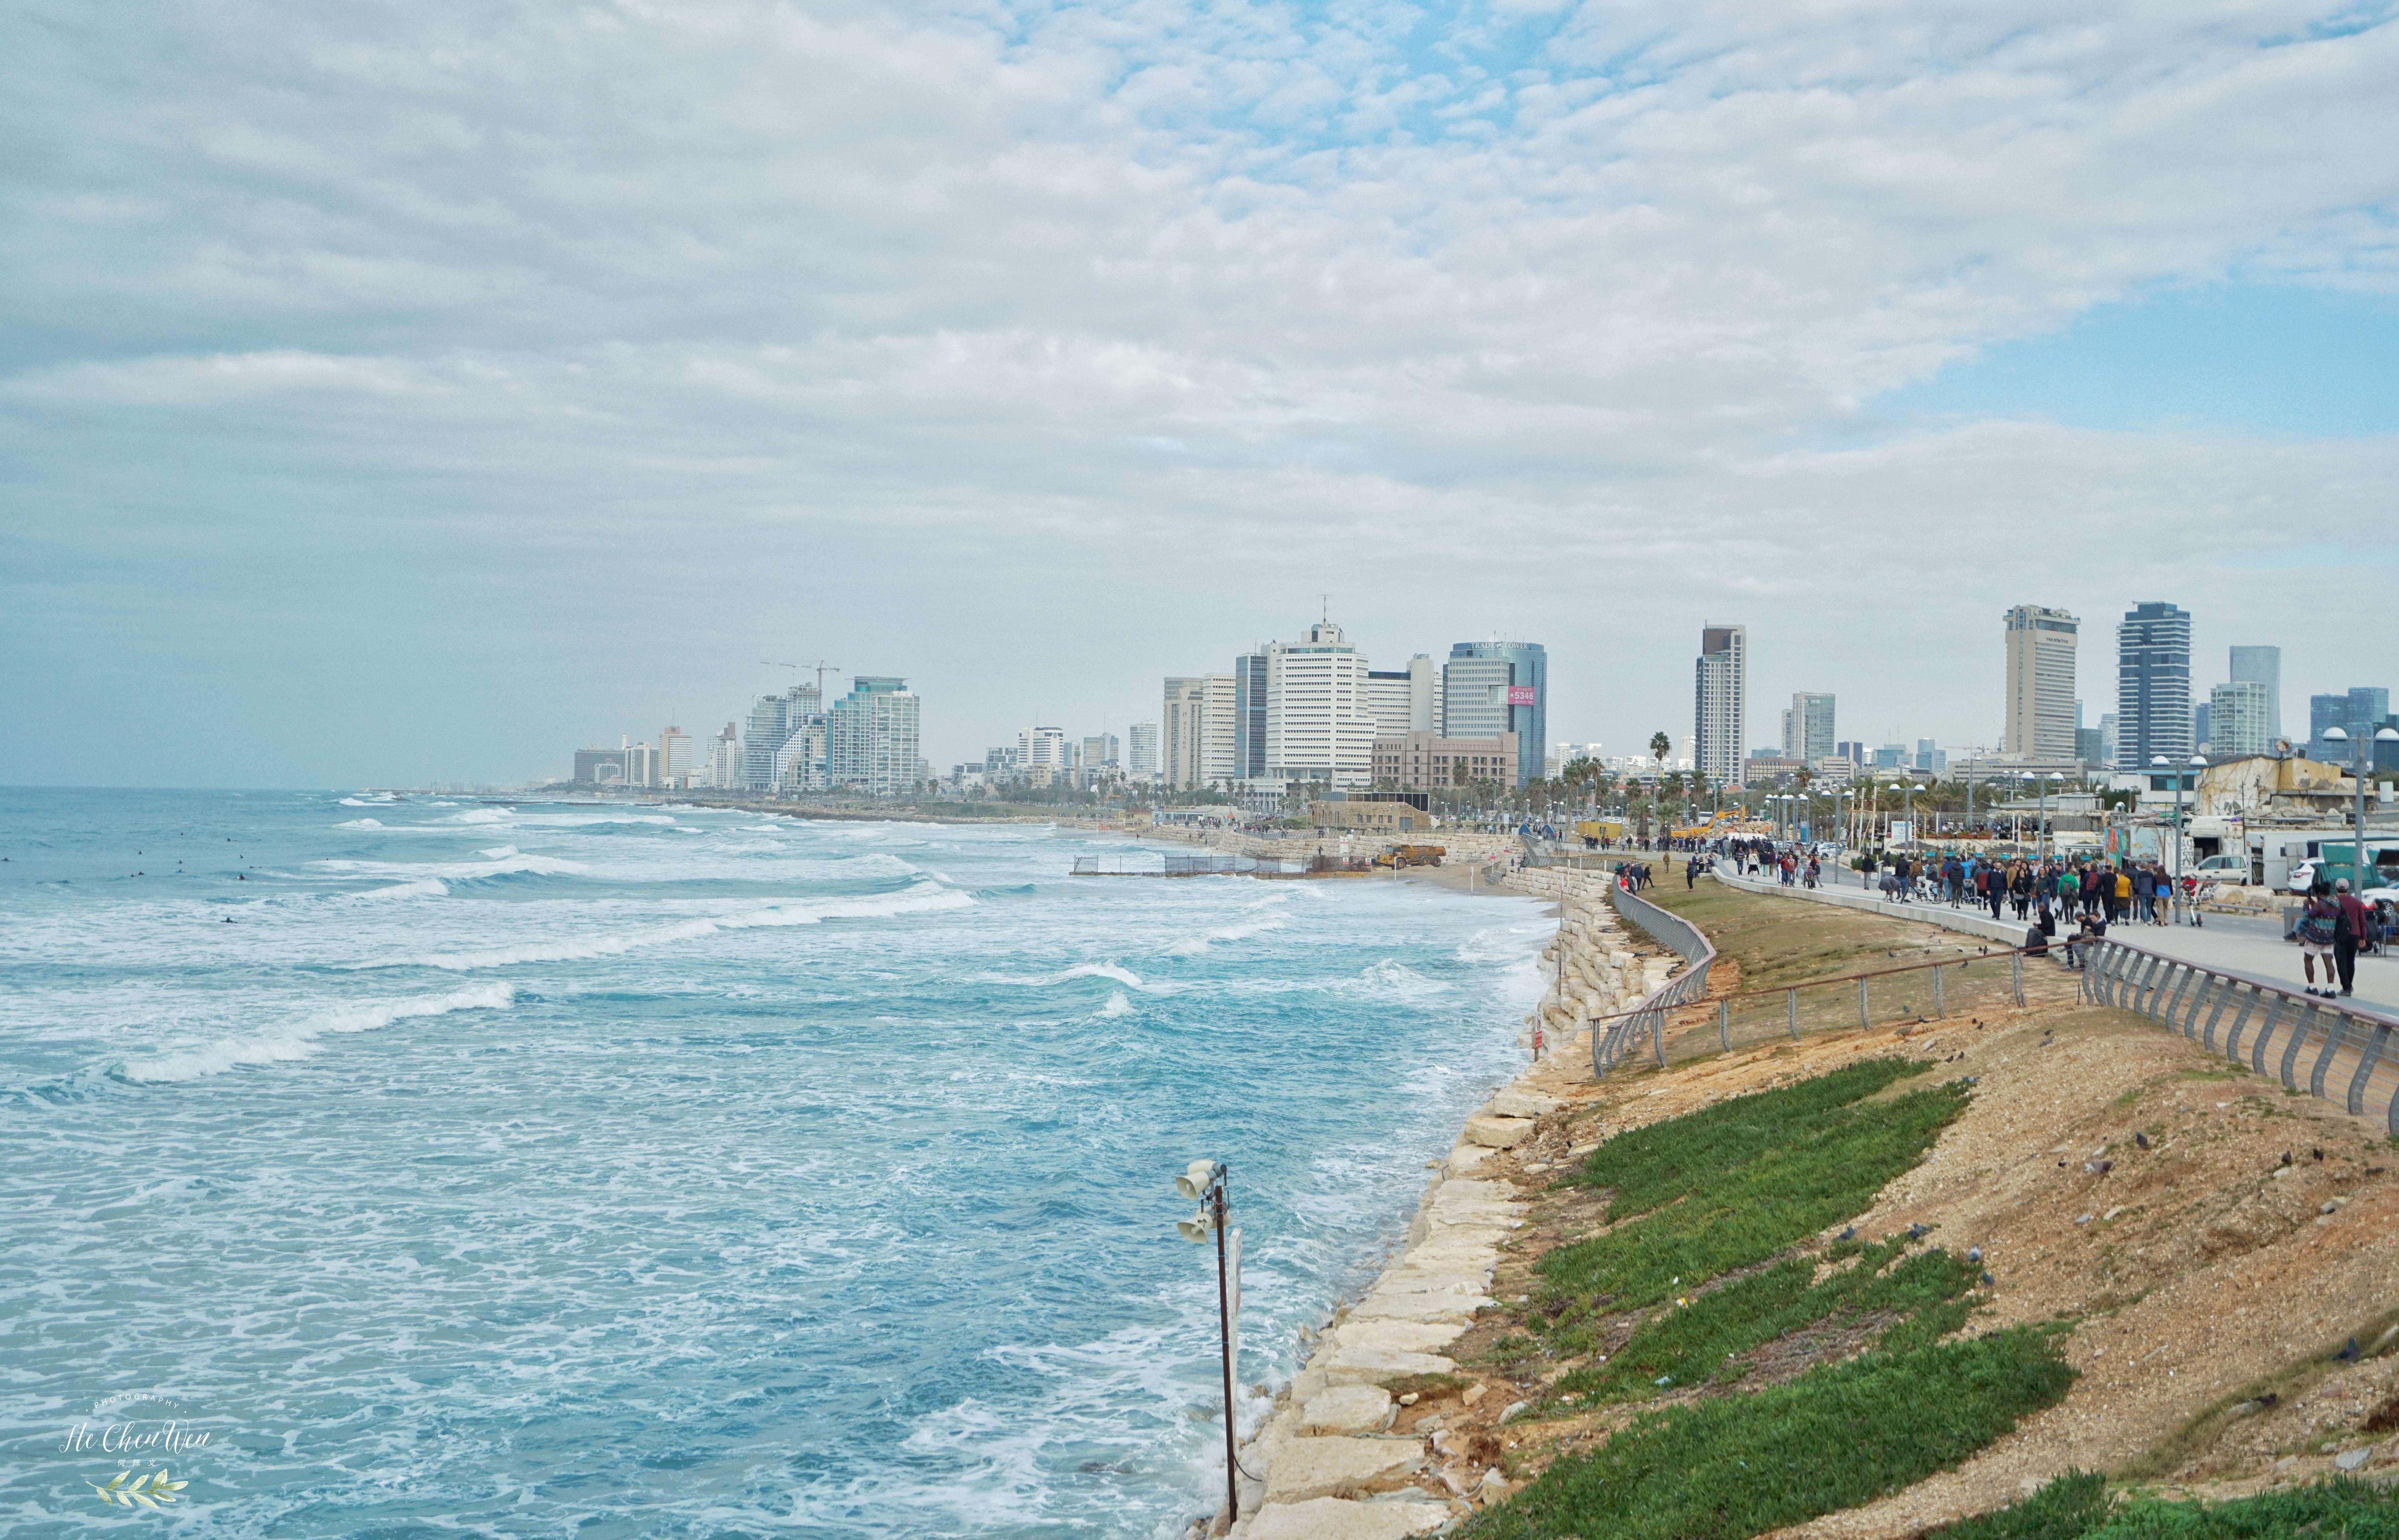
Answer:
(1676, 935)
(2348, 1044)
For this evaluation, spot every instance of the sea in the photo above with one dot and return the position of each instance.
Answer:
(380, 1164)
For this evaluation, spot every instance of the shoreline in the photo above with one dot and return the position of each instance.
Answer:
(1331, 1459)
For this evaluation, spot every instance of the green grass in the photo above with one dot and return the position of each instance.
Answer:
(2069, 1508)
(1735, 1184)
(1737, 1465)
(1923, 1295)
(2074, 1506)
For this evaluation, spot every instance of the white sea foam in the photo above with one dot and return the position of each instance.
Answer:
(1117, 1005)
(360, 823)
(1192, 946)
(503, 860)
(430, 888)
(369, 802)
(298, 1038)
(921, 899)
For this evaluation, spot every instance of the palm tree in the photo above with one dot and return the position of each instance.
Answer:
(1660, 746)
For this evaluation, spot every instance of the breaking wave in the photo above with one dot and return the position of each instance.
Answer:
(298, 1040)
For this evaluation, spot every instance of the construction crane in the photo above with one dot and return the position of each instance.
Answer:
(820, 665)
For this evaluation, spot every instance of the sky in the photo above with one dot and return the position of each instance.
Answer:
(399, 393)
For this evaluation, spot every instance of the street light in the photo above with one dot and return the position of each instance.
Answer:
(1907, 806)
(2197, 762)
(2357, 854)
(2056, 782)
(1203, 1182)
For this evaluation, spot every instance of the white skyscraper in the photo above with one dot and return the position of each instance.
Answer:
(1320, 726)
(1721, 704)
(2041, 710)
(1141, 750)
(1424, 694)
(870, 737)
(1182, 730)
(2263, 665)
(1220, 735)
(1039, 748)
(1390, 701)
(2237, 718)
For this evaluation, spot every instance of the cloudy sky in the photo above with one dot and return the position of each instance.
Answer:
(392, 392)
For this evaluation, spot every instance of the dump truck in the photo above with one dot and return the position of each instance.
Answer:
(1400, 857)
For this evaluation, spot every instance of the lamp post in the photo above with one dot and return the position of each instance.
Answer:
(2055, 781)
(2197, 762)
(1907, 806)
(2359, 760)
(1205, 1181)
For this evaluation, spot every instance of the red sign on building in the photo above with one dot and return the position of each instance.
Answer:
(1520, 694)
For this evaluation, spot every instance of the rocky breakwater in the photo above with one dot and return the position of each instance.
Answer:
(1594, 966)
(1331, 1461)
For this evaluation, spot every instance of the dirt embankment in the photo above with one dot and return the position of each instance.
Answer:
(2212, 1243)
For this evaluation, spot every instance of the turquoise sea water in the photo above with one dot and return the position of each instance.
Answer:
(560, 1169)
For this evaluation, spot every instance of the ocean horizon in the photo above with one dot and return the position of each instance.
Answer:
(409, 1165)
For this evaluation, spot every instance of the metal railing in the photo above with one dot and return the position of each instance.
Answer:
(1688, 1025)
(1676, 935)
(2342, 1047)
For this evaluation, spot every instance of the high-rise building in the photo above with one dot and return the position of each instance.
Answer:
(1318, 725)
(1808, 727)
(800, 762)
(2040, 706)
(2263, 665)
(2153, 686)
(1390, 701)
(2199, 725)
(870, 737)
(1220, 747)
(1041, 748)
(1720, 703)
(1492, 687)
(1141, 750)
(724, 770)
(1250, 713)
(772, 720)
(675, 762)
(1182, 730)
(2236, 718)
(2358, 709)
(1099, 751)
(1424, 695)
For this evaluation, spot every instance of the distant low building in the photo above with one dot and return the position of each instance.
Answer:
(1372, 818)
(1427, 762)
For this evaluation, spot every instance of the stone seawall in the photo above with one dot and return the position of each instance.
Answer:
(1325, 1464)
(1596, 965)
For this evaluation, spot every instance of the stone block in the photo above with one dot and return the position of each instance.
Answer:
(1350, 1408)
(1332, 1519)
(1306, 1468)
(1497, 1133)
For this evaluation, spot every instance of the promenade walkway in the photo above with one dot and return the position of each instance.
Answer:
(2251, 946)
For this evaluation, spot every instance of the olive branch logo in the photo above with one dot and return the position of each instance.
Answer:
(138, 1491)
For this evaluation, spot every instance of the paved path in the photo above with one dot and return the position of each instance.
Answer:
(2245, 945)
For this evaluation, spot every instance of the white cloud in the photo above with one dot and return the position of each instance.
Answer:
(1535, 296)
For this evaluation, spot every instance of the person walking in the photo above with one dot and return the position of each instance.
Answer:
(2348, 930)
(2318, 922)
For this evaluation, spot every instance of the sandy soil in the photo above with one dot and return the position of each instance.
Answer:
(2117, 1178)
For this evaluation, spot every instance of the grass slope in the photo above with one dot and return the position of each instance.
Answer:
(1734, 1184)
(1738, 1465)
(2074, 1506)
